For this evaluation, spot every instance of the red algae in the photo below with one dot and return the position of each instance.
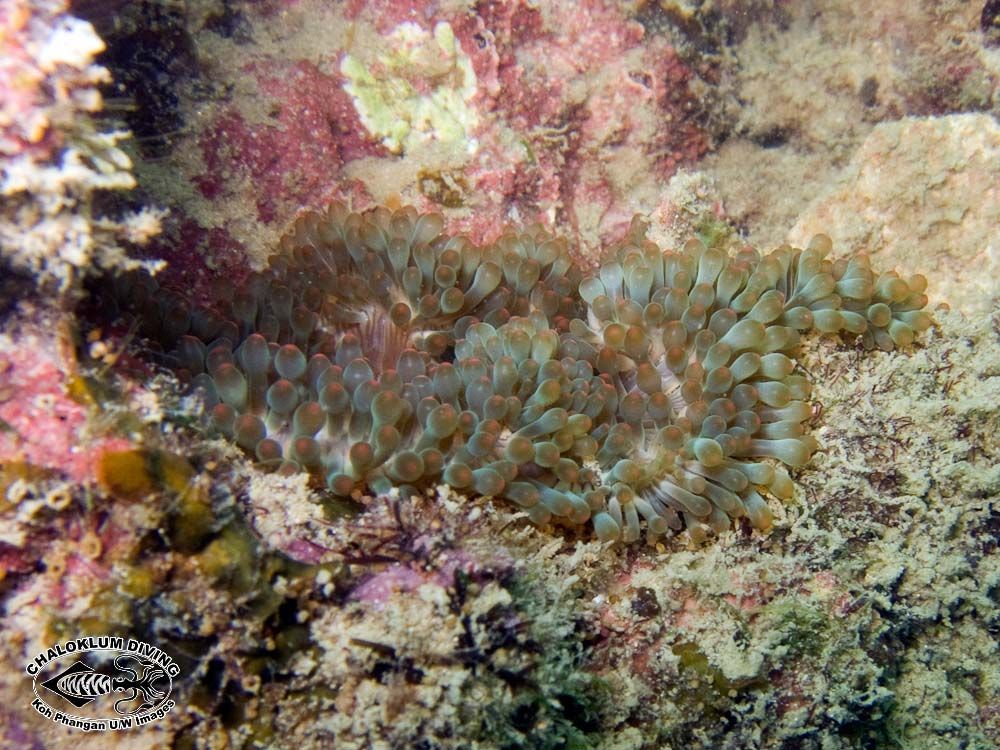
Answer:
(297, 153)
(45, 426)
(573, 108)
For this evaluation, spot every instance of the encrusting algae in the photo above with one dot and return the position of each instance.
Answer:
(377, 351)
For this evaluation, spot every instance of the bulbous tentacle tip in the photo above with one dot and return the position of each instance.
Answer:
(660, 392)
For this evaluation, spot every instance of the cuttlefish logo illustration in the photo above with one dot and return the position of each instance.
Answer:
(110, 683)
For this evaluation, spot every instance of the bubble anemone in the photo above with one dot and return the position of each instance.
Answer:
(660, 393)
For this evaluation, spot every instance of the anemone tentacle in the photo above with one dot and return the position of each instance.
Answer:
(661, 392)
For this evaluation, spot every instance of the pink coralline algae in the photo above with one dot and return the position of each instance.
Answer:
(43, 425)
(294, 158)
(572, 108)
(403, 577)
(581, 98)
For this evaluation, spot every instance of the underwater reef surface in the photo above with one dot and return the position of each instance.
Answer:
(865, 616)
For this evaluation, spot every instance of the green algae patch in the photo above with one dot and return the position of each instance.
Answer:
(230, 558)
(796, 626)
(417, 87)
(190, 522)
(693, 661)
(558, 703)
(137, 583)
(136, 473)
(714, 232)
